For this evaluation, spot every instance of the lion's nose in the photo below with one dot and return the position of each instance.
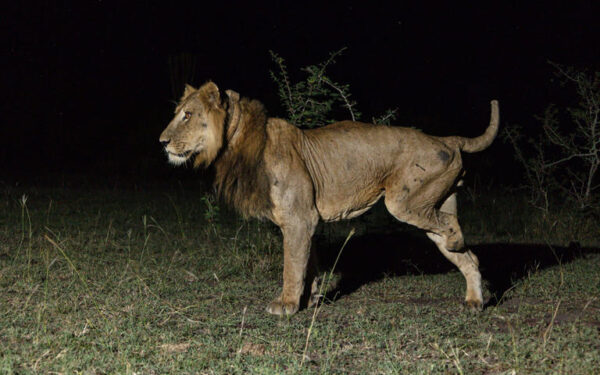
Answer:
(164, 143)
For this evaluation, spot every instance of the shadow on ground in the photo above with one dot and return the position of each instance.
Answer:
(370, 257)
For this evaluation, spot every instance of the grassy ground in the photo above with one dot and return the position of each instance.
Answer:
(102, 281)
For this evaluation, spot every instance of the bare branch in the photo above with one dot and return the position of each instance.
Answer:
(548, 165)
(344, 96)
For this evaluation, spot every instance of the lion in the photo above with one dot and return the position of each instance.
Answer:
(267, 168)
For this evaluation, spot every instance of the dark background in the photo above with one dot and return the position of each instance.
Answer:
(86, 84)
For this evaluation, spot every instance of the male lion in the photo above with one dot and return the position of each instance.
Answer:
(269, 168)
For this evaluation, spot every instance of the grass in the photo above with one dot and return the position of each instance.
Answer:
(145, 282)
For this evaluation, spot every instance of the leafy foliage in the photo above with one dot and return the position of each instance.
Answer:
(311, 102)
(386, 118)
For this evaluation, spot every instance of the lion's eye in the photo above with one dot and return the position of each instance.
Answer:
(187, 115)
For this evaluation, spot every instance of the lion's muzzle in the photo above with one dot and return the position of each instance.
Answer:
(178, 159)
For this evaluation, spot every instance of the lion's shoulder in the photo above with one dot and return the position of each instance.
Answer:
(282, 133)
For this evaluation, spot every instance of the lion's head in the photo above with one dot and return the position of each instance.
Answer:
(229, 133)
(197, 129)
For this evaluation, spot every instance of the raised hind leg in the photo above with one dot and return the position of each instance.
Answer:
(417, 205)
(466, 261)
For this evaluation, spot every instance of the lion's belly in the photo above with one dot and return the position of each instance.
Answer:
(339, 208)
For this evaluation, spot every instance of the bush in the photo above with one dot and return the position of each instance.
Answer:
(310, 103)
(563, 159)
(314, 101)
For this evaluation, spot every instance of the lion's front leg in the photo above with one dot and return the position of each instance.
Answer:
(296, 251)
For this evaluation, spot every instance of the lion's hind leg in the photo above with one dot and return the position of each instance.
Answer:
(466, 261)
(418, 207)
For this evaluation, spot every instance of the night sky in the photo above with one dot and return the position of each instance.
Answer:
(87, 85)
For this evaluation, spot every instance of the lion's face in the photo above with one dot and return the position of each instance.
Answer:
(196, 131)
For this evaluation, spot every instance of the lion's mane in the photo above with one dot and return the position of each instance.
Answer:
(240, 174)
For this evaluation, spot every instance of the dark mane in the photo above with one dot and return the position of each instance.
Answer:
(241, 177)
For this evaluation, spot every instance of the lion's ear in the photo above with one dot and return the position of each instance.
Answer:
(212, 93)
(233, 96)
(189, 89)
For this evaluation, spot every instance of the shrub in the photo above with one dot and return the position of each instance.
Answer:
(563, 158)
(311, 102)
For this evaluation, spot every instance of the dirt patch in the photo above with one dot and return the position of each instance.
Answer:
(175, 348)
(252, 349)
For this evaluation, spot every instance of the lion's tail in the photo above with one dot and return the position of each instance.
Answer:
(483, 141)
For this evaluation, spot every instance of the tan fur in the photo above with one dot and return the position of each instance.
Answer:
(202, 134)
(268, 168)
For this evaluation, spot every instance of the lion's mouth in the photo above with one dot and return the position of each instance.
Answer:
(185, 154)
(179, 158)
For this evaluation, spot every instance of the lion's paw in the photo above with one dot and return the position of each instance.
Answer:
(277, 307)
(474, 306)
(314, 300)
